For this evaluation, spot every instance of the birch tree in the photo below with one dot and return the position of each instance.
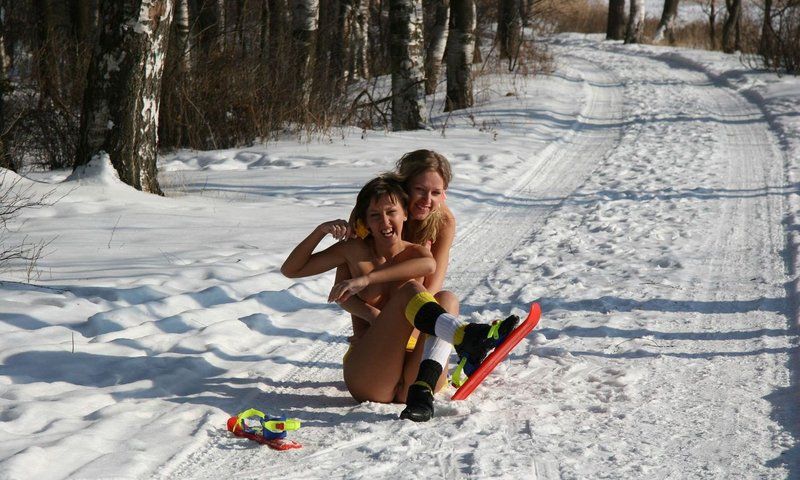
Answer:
(305, 21)
(121, 100)
(460, 46)
(615, 28)
(405, 54)
(436, 15)
(181, 31)
(666, 27)
(5, 88)
(635, 30)
(359, 43)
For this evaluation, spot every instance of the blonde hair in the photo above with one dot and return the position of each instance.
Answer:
(409, 166)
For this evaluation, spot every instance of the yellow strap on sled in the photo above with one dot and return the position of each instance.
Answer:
(252, 412)
(458, 378)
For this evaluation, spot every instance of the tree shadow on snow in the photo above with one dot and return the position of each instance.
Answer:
(785, 411)
(487, 198)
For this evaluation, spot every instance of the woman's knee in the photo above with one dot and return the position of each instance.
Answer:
(411, 288)
(448, 301)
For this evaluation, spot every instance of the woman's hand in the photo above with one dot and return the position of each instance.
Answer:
(347, 288)
(339, 229)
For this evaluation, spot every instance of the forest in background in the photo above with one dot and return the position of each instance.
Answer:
(228, 73)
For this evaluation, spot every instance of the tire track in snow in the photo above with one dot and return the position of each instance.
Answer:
(705, 283)
(545, 181)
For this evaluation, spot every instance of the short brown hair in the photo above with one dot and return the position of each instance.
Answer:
(384, 185)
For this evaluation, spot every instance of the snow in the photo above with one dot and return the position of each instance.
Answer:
(647, 196)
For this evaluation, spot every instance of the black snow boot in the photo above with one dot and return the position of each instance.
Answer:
(419, 403)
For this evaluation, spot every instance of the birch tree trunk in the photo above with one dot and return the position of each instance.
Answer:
(666, 27)
(121, 101)
(222, 19)
(635, 31)
(729, 41)
(460, 45)
(615, 28)
(341, 45)
(436, 19)
(5, 58)
(182, 39)
(305, 22)
(5, 87)
(359, 67)
(405, 53)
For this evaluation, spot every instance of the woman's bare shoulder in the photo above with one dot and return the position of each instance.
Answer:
(413, 250)
(449, 220)
(354, 247)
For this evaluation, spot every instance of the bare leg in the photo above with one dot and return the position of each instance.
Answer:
(449, 302)
(375, 365)
(360, 327)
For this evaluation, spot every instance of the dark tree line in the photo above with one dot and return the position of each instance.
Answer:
(132, 76)
(129, 77)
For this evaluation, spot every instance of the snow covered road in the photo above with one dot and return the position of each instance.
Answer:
(651, 228)
(642, 194)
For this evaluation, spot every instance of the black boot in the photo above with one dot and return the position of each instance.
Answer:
(481, 338)
(419, 403)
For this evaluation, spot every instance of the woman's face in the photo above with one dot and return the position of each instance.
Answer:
(385, 219)
(425, 194)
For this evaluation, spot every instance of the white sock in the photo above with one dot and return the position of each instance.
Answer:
(446, 326)
(437, 350)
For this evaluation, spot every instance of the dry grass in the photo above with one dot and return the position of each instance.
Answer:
(582, 16)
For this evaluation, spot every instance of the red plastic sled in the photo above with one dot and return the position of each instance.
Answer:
(499, 353)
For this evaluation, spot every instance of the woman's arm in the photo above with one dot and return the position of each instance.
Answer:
(359, 309)
(418, 263)
(440, 249)
(303, 262)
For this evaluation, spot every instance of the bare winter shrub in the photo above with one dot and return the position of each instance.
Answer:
(47, 77)
(14, 198)
(215, 106)
(779, 48)
(240, 89)
(41, 134)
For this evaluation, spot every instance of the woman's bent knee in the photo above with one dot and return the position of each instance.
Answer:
(448, 301)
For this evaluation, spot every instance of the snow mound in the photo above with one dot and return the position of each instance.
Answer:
(99, 171)
(9, 176)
